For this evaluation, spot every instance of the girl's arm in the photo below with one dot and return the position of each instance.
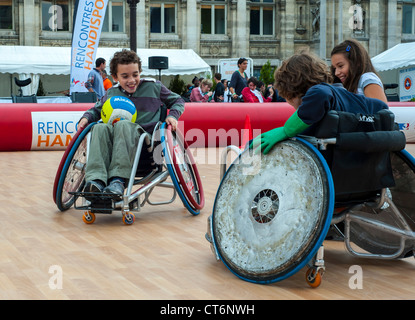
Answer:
(375, 91)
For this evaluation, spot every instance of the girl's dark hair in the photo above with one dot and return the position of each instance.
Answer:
(241, 60)
(124, 57)
(359, 59)
(299, 73)
(253, 80)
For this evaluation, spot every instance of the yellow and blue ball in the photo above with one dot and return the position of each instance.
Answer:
(118, 108)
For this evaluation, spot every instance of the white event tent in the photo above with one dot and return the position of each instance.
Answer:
(400, 56)
(397, 66)
(32, 61)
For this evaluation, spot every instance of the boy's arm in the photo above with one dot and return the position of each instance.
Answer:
(94, 114)
(173, 102)
(293, 126)
(314, 105)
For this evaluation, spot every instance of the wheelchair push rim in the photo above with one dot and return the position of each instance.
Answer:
(265, 231)
(182, 169)
(62, 163)
(71, 174)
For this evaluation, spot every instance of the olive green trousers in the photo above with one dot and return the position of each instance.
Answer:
(112, 150)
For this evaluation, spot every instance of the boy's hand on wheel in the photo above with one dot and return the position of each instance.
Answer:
(268, 139)
(173, 122)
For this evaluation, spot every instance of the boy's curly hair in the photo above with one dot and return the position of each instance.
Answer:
(124, 57)
(299, 73)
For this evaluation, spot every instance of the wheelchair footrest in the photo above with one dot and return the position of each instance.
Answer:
(100, 202)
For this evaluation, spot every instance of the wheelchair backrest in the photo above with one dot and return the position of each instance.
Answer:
(360, 159)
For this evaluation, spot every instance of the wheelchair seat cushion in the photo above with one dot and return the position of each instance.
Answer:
(360, 159)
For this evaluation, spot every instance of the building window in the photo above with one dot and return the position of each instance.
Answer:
(262, 18)
(163, 18)
(114, 17)
(213, 17)
(408, 19)
(55, 15)
(6, 14)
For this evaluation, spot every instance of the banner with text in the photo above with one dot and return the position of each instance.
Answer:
(88, 23)
(54, 130)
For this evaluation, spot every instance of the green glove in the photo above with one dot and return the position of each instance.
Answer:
(293, 126)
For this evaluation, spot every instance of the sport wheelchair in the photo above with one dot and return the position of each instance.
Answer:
(273, 212)
(159, 156)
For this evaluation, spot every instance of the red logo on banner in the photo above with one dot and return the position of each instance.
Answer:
(407, 83)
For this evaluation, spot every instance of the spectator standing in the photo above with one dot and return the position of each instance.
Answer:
(219, 89)
(239, 78)
(107, 82)
(95, 82)
(227, 94)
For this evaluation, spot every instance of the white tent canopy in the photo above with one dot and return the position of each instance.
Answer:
(400, 56)
(57, 60)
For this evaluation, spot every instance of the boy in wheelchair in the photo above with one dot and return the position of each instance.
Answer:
(303, 80)
(360, 167)
(112, 148)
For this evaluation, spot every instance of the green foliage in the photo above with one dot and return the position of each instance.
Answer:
(40, 89)
(267, 73)
(177, 85)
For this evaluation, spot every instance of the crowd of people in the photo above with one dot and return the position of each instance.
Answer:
(351, 69)
(235, 90)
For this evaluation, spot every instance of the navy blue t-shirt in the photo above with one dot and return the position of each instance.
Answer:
(323, 97)
(238, 82)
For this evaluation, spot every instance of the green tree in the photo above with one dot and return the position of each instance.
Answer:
(267, 73)
(40, 89)
(177, 85)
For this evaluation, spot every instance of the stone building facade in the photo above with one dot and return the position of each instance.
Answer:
(215, 29)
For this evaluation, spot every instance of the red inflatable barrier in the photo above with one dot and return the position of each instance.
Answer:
(16, 122)
(26, 127)
(221, 124)
(51, 126)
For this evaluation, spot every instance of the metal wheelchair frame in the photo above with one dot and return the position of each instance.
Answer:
(131, 200)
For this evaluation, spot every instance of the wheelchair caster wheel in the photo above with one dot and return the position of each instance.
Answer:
(88, 217)
(128, 218)
(313, 277)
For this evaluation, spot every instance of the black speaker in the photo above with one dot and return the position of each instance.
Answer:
(158, 63)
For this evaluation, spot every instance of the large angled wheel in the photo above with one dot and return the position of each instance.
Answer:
(182, 168)
(71, 171)
(375, 240)
(272, 212)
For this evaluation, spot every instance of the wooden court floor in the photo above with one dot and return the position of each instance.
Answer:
(48, 254)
